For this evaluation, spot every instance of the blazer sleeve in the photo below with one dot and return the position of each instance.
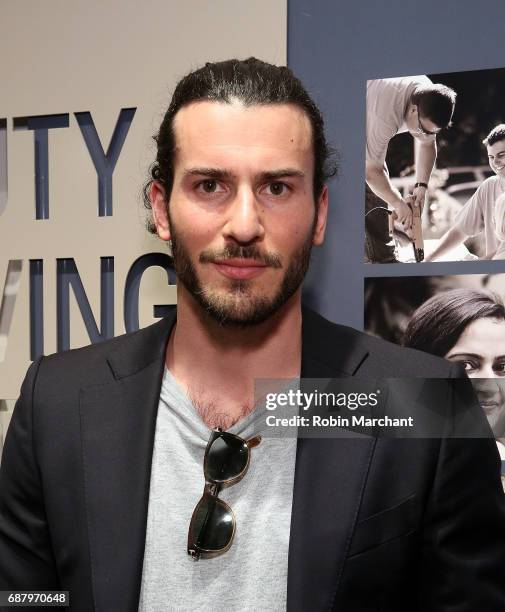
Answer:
(26, 557)
(463, 566)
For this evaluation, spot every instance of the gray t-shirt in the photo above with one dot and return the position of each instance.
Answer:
(386, 104)
(252, 574)
(477, 214)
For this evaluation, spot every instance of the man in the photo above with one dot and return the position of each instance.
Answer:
(393, 106)
(478, 214)
(103, 463)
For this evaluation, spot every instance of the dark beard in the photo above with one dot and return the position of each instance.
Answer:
(247, 310)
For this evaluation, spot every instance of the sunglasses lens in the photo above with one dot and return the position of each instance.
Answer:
(212, 524)
(227, 458)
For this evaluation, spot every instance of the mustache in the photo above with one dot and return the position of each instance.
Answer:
(235, 251)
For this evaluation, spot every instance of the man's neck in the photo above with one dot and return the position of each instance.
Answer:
(217, 365)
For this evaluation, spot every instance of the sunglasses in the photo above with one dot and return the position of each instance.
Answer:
(212, 525)
(422, 130)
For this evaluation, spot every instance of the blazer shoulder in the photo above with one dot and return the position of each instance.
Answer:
(105, 361)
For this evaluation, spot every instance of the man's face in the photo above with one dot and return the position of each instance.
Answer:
(419, 126)
(496, 156)
(241, 214)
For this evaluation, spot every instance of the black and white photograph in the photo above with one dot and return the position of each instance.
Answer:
(435, 167)
(460, 318)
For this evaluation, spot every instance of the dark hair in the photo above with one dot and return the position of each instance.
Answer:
(252, 82)
(435, 327)
(435, 102)
(495, 135)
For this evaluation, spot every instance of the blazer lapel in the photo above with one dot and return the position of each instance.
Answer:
(329, 479)
(117, 426)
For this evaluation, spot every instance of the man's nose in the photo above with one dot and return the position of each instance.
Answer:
(244, 222)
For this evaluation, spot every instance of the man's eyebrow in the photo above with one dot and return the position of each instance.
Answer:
(281, 173)
(217, 173)
(222, 173)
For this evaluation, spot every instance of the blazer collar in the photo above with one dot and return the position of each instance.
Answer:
(329, 350)
(142, 348)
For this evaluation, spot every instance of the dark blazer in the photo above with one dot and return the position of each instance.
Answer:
(377, 524)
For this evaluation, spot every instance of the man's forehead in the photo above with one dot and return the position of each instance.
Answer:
(276, 128)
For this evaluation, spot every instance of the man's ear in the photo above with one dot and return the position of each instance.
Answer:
(322, 217)
(159, 206)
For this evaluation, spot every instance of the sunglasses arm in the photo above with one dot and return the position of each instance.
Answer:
(253, 442)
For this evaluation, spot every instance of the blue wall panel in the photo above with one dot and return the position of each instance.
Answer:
(334, 47)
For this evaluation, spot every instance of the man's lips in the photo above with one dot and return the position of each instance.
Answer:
(242, 269)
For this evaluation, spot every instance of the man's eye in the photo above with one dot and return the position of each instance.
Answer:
(210, 186)
(277, 189)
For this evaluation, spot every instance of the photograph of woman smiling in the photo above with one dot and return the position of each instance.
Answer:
(467, 326)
